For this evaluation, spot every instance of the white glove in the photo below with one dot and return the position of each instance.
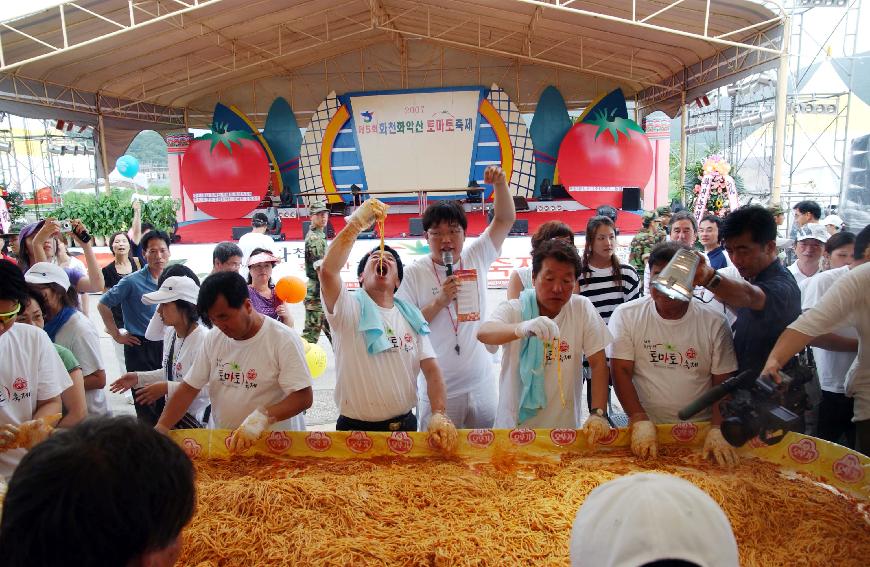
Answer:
(366, 214)
(443, 433)
(595, 428)
(643, 439)
(716, 446)
(542, 327)
(250, 431)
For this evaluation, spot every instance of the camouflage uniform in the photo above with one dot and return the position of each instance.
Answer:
(315, 249)
(643, 243)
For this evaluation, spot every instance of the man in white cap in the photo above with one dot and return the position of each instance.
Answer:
(648, 518)
(809, 244)
(833, 224)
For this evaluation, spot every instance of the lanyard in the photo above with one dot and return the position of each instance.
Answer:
(453, 322)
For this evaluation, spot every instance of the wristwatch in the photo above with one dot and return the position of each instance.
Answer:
(714, 282)
(599, 412)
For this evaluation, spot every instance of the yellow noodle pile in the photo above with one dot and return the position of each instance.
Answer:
(259, 511)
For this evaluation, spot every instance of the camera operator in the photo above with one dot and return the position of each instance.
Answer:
(847, 302)
(765, 298)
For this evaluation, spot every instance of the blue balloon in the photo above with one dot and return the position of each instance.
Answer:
(128, 166)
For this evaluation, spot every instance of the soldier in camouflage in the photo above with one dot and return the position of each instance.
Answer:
(643, 243)
(315, 250)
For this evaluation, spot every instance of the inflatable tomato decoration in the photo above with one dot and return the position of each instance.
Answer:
(225, 174)
(603, 153)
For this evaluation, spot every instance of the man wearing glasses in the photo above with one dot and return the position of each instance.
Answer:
(430, 284)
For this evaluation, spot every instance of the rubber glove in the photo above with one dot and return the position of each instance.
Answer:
(250, 431)
(721, 450)
(595, 428)
(28, 434)
(366, 214)
(643, 439)
(542, 327)
(443, 433)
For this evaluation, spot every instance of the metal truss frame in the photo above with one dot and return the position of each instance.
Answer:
(138, 16)
(44, 93)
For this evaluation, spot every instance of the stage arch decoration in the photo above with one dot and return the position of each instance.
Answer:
(363, 139)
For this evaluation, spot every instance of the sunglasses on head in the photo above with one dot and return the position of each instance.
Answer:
(10, 316)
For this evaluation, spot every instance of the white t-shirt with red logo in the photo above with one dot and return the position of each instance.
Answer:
(470, 369)
(30, 371)
(674, 360)
(583, 332)
(375, 387)
(245, 375)
(183, 354)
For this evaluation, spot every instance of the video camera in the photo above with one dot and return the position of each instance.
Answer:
(758, 406)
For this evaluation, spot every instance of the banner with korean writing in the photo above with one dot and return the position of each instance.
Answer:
(416, 140)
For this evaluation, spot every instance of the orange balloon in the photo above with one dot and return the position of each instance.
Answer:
(290, 289)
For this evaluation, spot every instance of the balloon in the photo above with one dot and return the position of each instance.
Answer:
(128, 166)
(316, 359)
(290, 289)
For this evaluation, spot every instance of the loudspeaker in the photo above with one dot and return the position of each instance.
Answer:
(520, 227)
(415, 227)
(239, 231)
(330, 230)
(339, 208)
(559, 192)
(520, 203)
(630, 199)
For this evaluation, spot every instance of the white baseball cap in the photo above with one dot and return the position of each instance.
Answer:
(47, 273)
(173, 289)
(641, 518)
(813, 231)
(833, 220)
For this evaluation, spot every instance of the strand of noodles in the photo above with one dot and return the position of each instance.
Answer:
(259, 511)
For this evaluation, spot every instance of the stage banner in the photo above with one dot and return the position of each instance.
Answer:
(416, 140)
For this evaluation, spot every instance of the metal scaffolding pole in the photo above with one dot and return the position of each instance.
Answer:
(779, 121)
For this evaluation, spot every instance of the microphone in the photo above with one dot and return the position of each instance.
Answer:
(447, 258)
(715, 394)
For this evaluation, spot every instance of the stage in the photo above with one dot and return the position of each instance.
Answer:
(397, 225)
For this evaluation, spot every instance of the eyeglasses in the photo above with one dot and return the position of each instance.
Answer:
(438, 235)
(5, 318)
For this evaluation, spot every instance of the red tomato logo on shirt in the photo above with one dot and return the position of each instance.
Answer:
(20, 384)
(251, 375)
(691, 354)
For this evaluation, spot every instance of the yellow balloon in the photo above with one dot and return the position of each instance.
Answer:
(316, 359)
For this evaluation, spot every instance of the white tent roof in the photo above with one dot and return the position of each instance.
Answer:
(163, 64)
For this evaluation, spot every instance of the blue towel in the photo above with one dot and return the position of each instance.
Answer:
(371, 324)
(532, 396)
(54, 325)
